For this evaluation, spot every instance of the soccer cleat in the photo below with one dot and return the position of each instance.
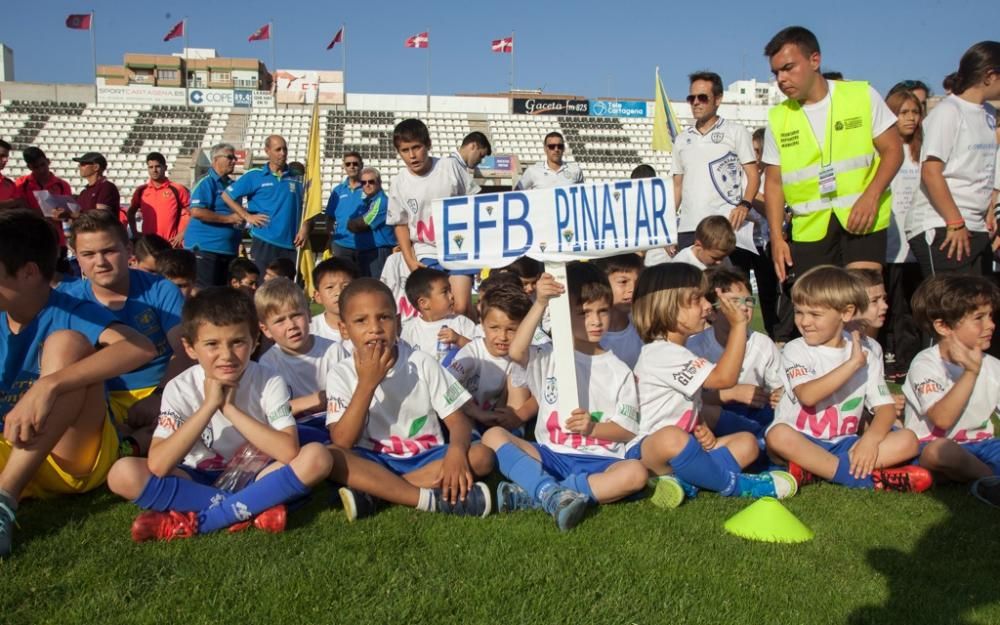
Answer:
(667, 492)
(511, 497)
(153, 525)
(477, 502)
(6, 529)
(777, 484)
(271, 521)
(566, 506)
(358, 504)
(985, 489)
(905, 479)
(802, 477)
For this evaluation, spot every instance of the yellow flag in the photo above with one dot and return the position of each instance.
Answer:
(665, 123)
(313, 205)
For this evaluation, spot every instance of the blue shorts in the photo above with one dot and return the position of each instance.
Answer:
(402, 466)
(199, 475)
(836, 448)
(561, 466)
(635, 451)
(987, 451)
(313, 430)
(432, 263)
(763, 415)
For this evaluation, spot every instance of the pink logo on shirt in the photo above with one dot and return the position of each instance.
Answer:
(961, 436)
(425, 231)
(559, 436)
(688, 421)
(398, 446)
(825, 426)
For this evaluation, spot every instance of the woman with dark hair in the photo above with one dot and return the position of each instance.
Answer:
(900, 336)
(950, 225)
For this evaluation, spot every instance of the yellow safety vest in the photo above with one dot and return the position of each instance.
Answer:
(848, 150)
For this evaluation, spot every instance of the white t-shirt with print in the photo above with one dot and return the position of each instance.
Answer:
(540, 176)
(837, 416)
(669, 378)
(539, 338)
(761, 361)
(319, 327)
(931, 377)
(625, 344)
(262, 394)
(605, 388)
(882, 120)
(481, 373)
(963, 136)
(394, 275)
(403, 417)
(712, 166)
(423, 335)
(411, 196)
(904, 189)
(305, 373)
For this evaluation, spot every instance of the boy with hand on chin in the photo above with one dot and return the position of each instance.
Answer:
(383, 413)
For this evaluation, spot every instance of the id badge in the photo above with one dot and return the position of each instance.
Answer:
(827, 180)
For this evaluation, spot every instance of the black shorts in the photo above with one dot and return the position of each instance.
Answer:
(839, 247)
(933, 260)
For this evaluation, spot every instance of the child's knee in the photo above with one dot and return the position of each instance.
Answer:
(62, 349)
(906, 441)
(128, 477)
(496, 437)
(481, 460)
(634, 475)
(935, 453)
(779, 436)
(313, 463)
(667, 443)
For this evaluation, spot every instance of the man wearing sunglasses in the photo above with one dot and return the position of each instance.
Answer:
(343, 203)
(714, 167)
(215, 231)
(373, 239)
(553, 171)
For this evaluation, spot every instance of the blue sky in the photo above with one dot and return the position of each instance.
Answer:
(584, 47)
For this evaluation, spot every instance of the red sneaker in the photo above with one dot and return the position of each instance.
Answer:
(801, 476)
(154, 525)
(905, 479)
(271, 521)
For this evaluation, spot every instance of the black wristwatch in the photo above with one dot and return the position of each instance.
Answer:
(746, 204)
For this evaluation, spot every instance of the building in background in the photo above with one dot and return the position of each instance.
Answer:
(753, 92)
(194, 68)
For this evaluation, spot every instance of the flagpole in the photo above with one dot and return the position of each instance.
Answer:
(512, 62)
(428, 70)
(187, 99)
(343, 59)
(274, 67)
(93, 49)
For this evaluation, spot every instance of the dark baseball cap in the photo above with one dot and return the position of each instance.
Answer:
(93, 157)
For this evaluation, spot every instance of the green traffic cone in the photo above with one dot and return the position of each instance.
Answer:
(767, 520)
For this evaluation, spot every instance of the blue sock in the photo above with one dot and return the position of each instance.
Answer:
(843, 475)
(695, 466)
(731, 422)
(725, 457)
(581, 484)
(175, 493)
(523, 470)
(267, 492)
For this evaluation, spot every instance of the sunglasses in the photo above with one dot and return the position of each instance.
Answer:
(700, 97)
(369, 182)
(228, 157)
(556, 146)
(352, 164)
(749, 302)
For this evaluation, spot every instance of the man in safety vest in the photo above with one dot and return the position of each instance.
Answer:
(830, 152)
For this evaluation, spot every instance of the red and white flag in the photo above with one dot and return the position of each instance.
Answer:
(261, 34)
(175, 32)
(339, 37)
(503, 45)
(79, 21)
(420, 40)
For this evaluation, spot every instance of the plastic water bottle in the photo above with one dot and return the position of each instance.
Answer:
(443, 347)
(242, 468)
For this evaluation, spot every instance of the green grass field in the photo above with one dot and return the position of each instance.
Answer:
(877, 558)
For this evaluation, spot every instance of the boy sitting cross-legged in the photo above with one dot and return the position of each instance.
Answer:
(951, 388)
(302, 359)
(207, 414)
(57, 435)
(831, 379)
(383, 412)
(578, 458)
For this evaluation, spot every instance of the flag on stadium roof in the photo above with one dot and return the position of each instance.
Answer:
(336, 38)
(505, 44)
(313, 196)
(175, 32)
(666, 127)
(420, 40)
(79, 21)
(261, 34)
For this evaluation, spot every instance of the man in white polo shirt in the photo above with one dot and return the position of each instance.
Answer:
(714, 167)
(553, 172)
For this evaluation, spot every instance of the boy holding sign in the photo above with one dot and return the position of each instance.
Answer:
(579, 458)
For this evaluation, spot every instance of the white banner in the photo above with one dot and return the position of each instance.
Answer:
(139, 94)
(553, 225)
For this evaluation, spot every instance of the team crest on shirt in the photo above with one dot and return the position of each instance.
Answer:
(717, 137)
(412, 205)
(725, 172)
(550, 392)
